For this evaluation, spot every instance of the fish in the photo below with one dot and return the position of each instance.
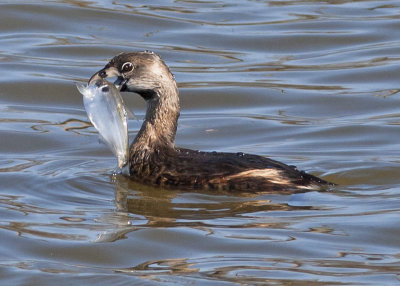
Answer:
(107, 112)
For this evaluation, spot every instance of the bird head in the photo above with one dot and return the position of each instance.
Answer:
(140, 72)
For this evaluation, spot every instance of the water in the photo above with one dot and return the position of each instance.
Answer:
(309, 83)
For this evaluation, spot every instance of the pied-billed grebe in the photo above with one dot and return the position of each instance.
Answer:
(155, 160)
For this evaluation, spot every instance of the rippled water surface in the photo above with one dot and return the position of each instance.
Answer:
(309, 83)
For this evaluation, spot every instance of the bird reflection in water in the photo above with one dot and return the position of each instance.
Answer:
(140, 206)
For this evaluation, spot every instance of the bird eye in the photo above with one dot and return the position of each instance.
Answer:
(127, 67)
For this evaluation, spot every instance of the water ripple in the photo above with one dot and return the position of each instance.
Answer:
(309, 83)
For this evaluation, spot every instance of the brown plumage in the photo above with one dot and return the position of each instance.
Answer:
(155, 160)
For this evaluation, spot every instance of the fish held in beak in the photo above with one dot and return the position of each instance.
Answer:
(109, 72)
(106, 110)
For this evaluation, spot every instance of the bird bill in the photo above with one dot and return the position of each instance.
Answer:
(106, 110)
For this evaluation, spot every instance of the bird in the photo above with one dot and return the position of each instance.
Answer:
(155, 160)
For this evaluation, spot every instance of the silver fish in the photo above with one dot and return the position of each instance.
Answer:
(106, 110)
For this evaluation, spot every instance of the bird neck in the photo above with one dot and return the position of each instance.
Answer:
(161, 120)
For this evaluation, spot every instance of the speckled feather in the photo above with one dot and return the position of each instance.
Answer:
(188, 169)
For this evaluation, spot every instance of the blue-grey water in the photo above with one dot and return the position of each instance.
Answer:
(310, 83)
